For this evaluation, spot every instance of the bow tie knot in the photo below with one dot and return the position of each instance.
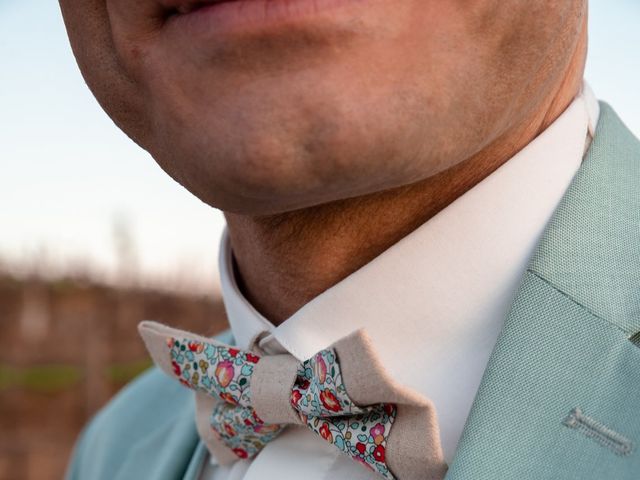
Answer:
(245, 400)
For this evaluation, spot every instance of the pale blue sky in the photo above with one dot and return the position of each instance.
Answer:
(67, 172)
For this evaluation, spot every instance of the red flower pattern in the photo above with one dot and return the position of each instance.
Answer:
(329, 400)
(256, 417)
(227, 397)
(320, 368)
(378, 453)
(229, 429)
(295, 397)
(240, 452)
(303, 383)
(389, 408)
(224, 373)
(326, 433)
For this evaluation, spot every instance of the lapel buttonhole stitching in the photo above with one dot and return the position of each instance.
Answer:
(605, 436)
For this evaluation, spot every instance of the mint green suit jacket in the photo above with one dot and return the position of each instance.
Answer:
(560, 398)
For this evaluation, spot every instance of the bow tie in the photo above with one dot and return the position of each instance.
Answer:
(343, 394)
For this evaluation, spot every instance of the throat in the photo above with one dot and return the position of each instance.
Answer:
(283, 261)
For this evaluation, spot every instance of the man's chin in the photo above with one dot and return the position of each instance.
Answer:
(239, 186)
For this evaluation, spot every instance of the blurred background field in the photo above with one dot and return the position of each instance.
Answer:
(66, 346)
(94, 237)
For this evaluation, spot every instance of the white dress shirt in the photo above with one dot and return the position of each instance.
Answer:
(433, 304)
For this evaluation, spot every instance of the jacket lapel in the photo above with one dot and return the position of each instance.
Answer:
(560, 394)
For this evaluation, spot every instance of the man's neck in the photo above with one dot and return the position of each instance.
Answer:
(285, 260)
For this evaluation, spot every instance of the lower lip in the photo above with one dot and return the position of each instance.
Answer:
(238, 15)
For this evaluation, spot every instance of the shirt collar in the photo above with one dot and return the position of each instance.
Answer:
(245, 321)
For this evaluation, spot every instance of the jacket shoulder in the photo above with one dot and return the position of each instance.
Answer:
(153, 403)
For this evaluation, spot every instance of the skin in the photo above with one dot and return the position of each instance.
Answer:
(327, 139)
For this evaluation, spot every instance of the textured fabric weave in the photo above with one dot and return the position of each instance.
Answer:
(591, 249)
(565, 344)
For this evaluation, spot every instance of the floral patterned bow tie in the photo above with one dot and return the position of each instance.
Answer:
(244, 400)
